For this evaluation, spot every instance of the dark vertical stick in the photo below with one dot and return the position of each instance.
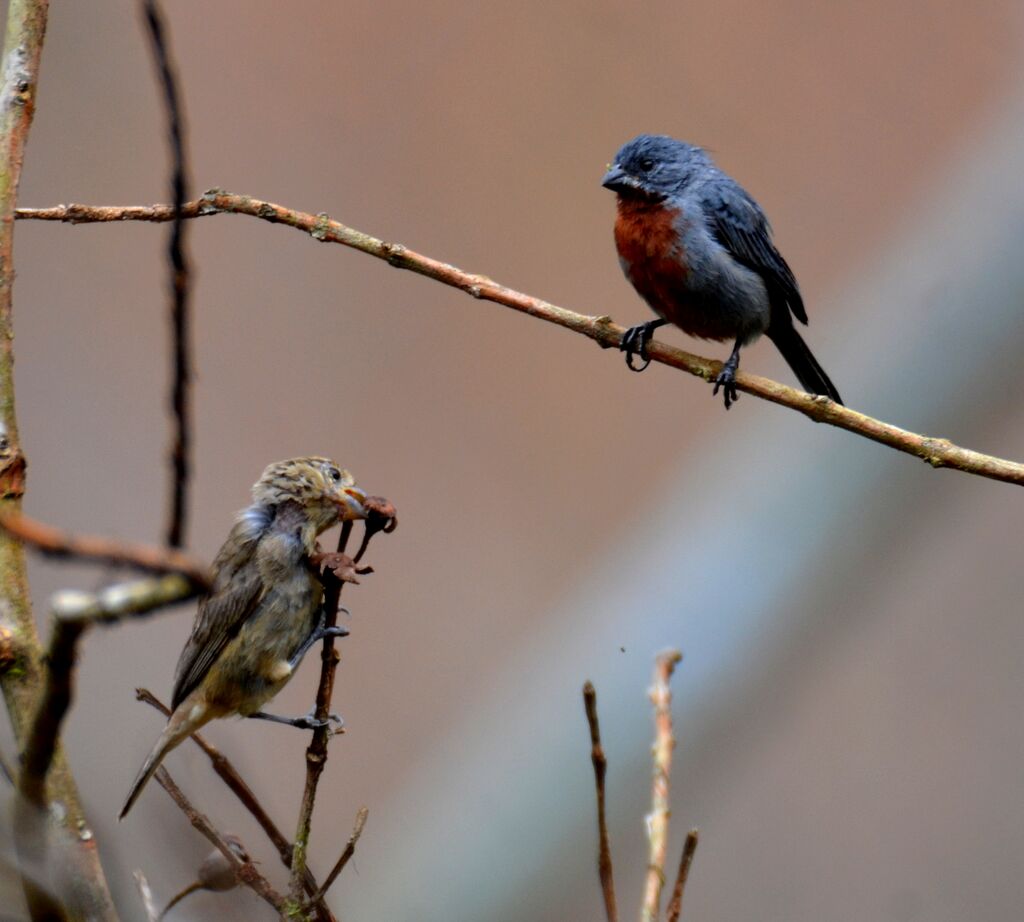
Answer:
(675, 905)
(381, 516)
(181, 444)
(604, 857)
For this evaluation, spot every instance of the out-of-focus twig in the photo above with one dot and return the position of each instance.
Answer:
(675, 905)
(55, 542)
(661, 752)
(75, 612)
(938, 452)
(604, 855)
(181, 444)
(146, 895)
(238, 786)
(346, 855)
(381, 516)
(246, 871)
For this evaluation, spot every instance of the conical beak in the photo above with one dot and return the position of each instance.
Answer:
(618, 180)
(350, 502)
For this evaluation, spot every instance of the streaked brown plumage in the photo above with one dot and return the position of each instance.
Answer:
(251, 630)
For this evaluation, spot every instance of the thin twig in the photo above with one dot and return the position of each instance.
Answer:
(238, 786)
(675, 905)
(146, 895)
(661, 752)
(380, 517)
(55, 542)
(346, 855)
(246, 871)
(181, 444)
(604, 856)
(938, 452)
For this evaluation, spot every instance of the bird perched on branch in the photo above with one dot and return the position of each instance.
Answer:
(264, 610)
(698, 249)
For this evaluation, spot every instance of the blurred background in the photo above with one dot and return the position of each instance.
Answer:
(848, 711)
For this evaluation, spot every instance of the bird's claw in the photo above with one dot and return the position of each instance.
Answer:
(726, 380)
(634, 342)
(311, 722)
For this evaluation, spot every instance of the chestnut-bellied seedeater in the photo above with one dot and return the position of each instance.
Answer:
(698, 249)
(264, 610)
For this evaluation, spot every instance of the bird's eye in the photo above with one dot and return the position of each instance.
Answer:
(647, 165)
(335, 474)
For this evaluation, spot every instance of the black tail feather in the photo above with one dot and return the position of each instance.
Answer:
(805, 366)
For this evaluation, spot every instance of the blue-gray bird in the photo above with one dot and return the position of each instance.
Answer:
(698, 249)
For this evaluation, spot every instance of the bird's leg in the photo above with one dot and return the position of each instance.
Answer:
(635, 340)
(319, 633)
(306, 722)
(727, 377)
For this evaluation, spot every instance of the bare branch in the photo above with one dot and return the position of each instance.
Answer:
(230, 776)
(346, 855)
(147, 897)
(604, 856)
(380, 517)
(938, 452)
(675, 905)
(57, 543)
(657, 819)
(75, 612)
(246, 871)
(180, 275)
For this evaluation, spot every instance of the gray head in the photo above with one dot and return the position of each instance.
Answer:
(654, 166)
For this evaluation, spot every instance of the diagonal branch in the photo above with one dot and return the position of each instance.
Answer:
(346, 855)
(246, 871)
(230, 776)
(181, 361)
(57, 543)
(675, 905)
(938, 452)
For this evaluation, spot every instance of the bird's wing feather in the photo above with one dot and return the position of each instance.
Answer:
(740, 226)
(220, 616)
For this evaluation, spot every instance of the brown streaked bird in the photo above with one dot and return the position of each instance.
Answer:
(264, 610)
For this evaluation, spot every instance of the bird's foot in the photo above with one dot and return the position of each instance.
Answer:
(726, 380)
(307, 722)
(320, 632)
(635, 340)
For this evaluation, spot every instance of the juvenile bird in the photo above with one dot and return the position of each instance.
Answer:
(698, 249)
(264, 610)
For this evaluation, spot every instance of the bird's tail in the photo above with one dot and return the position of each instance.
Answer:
(188, 717)
(805, 366)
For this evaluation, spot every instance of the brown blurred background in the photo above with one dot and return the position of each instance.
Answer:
(848, 709)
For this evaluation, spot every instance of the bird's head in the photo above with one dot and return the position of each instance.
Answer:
(325, 492)
(652, 167)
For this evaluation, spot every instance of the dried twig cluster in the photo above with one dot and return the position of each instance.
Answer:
(658, 819)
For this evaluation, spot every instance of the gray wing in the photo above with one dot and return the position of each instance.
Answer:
(740, 226)
(219, 618)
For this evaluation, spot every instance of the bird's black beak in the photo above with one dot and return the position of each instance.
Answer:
(618, 180)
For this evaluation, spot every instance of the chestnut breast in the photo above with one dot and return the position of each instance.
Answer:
(650, 238)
